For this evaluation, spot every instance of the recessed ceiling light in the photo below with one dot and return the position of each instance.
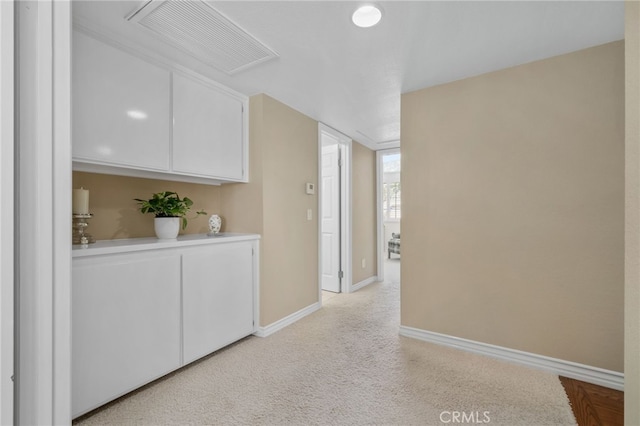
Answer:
(137, 114)
(366, 16)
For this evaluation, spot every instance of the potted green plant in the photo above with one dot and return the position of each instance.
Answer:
(170, 210)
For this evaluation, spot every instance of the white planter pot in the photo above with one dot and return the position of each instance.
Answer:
(167, 228)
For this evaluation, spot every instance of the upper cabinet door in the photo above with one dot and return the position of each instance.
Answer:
(121, 107)
(207, 131)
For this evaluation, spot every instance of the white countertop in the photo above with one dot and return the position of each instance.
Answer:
(152, 243)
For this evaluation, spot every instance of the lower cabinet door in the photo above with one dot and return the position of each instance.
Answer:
(125, 325)
(217, 297)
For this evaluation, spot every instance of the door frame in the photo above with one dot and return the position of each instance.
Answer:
(43, 227)
(344, 143)
(380, 217)
(7, 193)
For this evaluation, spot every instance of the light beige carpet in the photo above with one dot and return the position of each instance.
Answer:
(346, 365)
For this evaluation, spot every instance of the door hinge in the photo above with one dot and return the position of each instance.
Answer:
(340, 274)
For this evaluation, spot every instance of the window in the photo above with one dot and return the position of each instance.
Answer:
(391, 190)
(391, 200)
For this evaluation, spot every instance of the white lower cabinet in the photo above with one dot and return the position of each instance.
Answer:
(217, 295)
(141, 314)
(125, 324)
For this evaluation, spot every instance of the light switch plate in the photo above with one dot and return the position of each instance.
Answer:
(310, 188)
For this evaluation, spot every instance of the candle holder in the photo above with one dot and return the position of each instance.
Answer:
(79, 226)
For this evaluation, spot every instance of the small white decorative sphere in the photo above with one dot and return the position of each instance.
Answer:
(215, 223)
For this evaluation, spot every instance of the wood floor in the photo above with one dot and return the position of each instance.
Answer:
(594, 405)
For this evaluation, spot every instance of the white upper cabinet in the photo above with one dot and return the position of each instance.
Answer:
(138, 118)
(121, 109)
(207, 131)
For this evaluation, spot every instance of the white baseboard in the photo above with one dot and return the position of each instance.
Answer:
(364, 283)
(586, 373)
(288, 320)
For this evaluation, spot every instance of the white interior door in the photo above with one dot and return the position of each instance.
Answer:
(330, 193)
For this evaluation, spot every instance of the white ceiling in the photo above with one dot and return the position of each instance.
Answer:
(351, 78)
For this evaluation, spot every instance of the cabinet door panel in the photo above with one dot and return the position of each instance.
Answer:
(207, 131)
(217, 297)
(125, 325)
(121, 107)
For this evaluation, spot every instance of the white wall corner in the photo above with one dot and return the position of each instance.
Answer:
(599, 376)
(286, 321)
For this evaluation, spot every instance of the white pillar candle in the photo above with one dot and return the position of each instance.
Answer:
(81, 201)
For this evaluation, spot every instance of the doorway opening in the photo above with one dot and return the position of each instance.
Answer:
(389, 214)
(334, 209)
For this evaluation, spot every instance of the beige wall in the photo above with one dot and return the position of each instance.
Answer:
(513, 207)
(632, 231)
(284, 156)
(363, 194)
(115, 212)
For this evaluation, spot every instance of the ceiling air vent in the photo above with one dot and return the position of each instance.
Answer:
(196, 28)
